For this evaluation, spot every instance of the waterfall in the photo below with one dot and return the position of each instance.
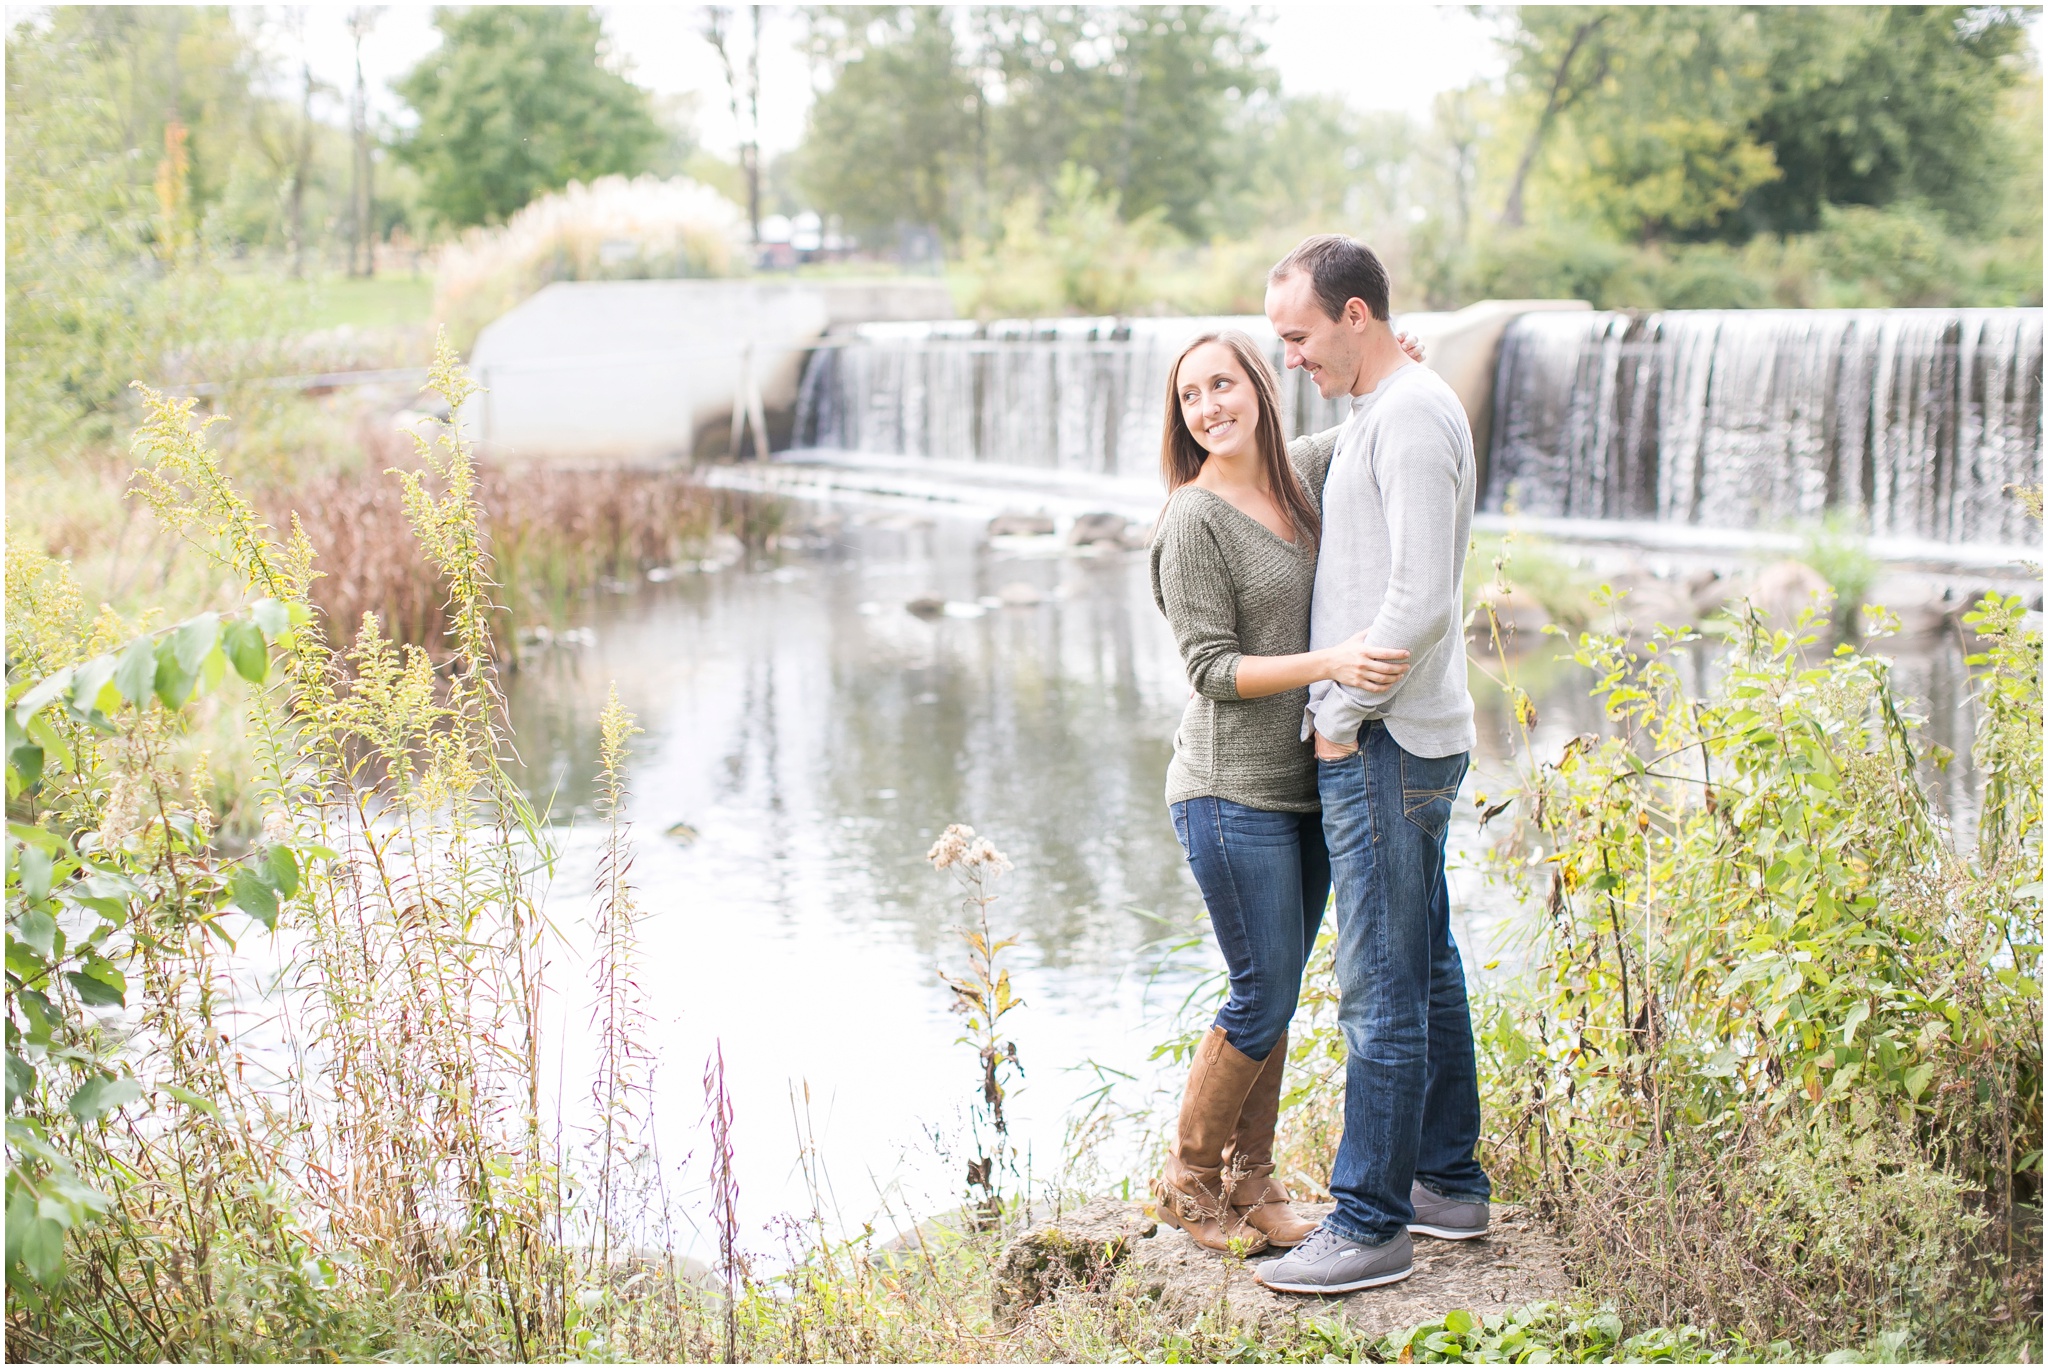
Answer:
(1074, 395)
(1910, 421)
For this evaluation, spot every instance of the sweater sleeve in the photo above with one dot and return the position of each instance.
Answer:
(1311, 455)
(1191, 584)
(1418, 468)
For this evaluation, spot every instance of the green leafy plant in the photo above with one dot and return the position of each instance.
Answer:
(1777, 1062)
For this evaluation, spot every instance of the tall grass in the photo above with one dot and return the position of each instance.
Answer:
(377, 1114)
(555, 535)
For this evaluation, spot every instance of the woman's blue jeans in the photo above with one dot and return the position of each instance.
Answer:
(1265, 877)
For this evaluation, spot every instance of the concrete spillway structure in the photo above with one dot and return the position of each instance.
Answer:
(636, 369)
(1700, 423)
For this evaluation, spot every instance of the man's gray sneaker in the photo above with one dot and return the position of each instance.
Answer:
(1446, 1218)
(1328, 1263)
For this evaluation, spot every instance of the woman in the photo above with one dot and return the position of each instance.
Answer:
(1233, 567)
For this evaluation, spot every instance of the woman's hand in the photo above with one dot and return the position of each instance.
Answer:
(1410, 344)
(1353, 663)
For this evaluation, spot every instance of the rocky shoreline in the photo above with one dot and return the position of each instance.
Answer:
(1111, 1248)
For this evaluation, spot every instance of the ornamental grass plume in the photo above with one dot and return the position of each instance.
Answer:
(612, 229)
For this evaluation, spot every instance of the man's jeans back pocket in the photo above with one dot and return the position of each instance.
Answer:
(1429, 785)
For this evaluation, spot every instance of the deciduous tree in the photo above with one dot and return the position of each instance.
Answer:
(517, 101)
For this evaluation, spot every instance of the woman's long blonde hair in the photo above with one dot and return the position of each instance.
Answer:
(1181, 457)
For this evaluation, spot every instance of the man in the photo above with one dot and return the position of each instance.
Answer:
(1397, 517)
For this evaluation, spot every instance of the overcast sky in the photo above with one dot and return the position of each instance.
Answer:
(1411, 50)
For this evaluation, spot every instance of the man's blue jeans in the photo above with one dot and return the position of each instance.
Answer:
(1265, 879)
(1411, 1085)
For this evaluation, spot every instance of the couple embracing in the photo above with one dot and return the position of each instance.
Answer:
(1315, 590)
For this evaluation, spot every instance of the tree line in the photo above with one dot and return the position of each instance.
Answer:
(1687, 132)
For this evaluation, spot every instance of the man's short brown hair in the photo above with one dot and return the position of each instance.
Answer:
(1340, 269)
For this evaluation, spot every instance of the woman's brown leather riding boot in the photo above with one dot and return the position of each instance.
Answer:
(1194, 1193)
(1257, 1198)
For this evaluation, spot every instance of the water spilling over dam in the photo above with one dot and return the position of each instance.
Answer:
(1080, 395)
(1910, 422)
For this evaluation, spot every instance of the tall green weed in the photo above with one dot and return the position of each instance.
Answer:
(1777, 1062)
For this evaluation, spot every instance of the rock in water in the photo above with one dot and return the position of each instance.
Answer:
(1090, 528)
(1784, 590)
(1108, 1242)
(1020, 525)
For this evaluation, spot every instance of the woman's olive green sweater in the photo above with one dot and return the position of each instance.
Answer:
(1231, 589)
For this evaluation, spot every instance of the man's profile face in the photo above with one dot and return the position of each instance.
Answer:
(1329, 349)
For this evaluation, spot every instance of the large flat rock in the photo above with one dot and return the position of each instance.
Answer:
(1109, 1243)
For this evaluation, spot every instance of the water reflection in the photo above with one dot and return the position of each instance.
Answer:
(808, 736)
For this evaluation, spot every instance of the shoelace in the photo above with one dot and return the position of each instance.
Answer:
(1322, 1241)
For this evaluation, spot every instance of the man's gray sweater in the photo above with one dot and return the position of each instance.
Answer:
(1397, 519)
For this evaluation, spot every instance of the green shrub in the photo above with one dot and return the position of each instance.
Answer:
(1777, 1065)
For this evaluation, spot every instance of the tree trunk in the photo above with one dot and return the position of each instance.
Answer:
(1511, 212)
(295, 217)
(753, 151)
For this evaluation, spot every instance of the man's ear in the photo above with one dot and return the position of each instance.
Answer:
(1356, 314)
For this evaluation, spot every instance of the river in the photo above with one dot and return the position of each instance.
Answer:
(807, 737)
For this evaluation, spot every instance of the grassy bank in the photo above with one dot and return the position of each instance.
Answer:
(1761, 942)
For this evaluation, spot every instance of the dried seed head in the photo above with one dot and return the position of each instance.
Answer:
(983, 854)
(121, 816)
(951, 847)
(277, 826)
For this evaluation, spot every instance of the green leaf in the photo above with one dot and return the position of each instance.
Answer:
(172, 680)
(281, 870)
(100, 985)
(1917, 1079)
(191, 640)
(42, 1249)
(26, 761)
(24, 963)
(273, 618)
(105, 883)
(98, 1096)
(135, 675)
(254, 897)
(38, 931)
(1457, 1321)
(45, 736)
(243, 642)
(197, 1101)
(41, 837)
(21, 1078)
(34, 872)
(32, 702)
(93, 680)
(212, 671)
(41, 1016)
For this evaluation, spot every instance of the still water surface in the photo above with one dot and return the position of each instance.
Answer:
(806, 739)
